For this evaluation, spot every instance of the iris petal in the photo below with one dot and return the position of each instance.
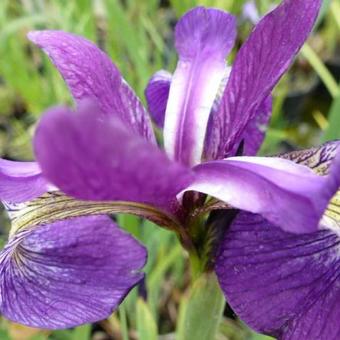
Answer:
(54, 206)
(273, 187)
(204, 37)
(281, 284)
(116, 165)
(157, 93)
(68, 273)
(20, 181)
(90, 73)
(259, 64)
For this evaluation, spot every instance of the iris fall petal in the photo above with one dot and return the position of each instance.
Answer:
(282, 284)
(68, 273)
(273, 187)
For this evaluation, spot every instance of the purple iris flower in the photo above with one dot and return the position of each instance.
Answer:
(67, 263)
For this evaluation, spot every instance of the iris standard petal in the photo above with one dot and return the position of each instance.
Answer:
(255, 130)
(252, 137)
(273, 187)
(282, 284)
(203, 37)
(114, 165)
(20, 181)
(157, 93)
(89, 72)
(68, 273)
(259, 64)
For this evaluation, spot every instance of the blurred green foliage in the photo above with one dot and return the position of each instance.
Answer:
(138, 37)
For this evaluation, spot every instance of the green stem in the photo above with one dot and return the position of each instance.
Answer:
(201, 314)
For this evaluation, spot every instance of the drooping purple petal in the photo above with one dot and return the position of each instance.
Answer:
(319, 158)
(68, 273)
(204, 37)
(20, 181)
(54, 206)
(157, 93)
(282, 284)
(91, 158)
(260, 63)
(89, 72)
(273, 187)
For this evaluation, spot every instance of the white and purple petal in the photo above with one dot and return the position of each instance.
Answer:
(157, 94)
(273, 187)
(259, 64)
(20, 181)
(282, 284)
(115, 165)
(68, 273)
(89, 72)
(204, 37)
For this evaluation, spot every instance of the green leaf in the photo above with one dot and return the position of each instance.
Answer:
(202, 312)
(333, 131)
(146, 325)
(322, 71)
(82, 333)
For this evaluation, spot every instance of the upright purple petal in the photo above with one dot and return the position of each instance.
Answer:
(204, 37)
(260, 63)
(252, 137)
(273, 187)
(114, 165)
(68, 273)
(255, 129)
(282, 284)
(20, 181)
(89, 72)
(157, 93)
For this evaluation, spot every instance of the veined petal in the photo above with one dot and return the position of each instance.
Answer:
(273, 187)
(255, 129)
(252, 137)
(319, 158)
(260, 63)
(55, 206)
(157, 93)
(281, 284)
(204, 38)
(68, 273)
(89, 72)
(114, 165)
(20, 181)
